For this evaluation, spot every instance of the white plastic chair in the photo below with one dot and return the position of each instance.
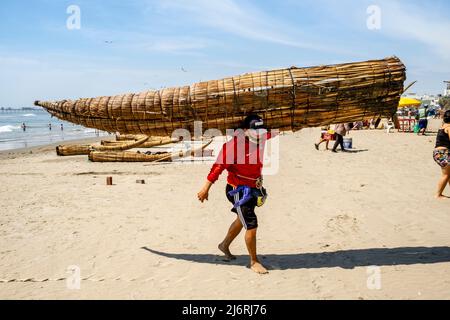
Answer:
(390, 126)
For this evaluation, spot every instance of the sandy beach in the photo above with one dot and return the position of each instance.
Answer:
(331, 221)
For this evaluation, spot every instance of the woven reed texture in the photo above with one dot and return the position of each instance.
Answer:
(149, 144)
(287, 99)
(130, 156)
(127, 156)
(75, 150)
(127, 137)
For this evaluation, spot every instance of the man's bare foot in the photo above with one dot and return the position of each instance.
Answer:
(258, 268)
(226, 252)
(441, 197)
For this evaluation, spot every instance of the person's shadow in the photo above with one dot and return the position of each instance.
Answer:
(347, 259)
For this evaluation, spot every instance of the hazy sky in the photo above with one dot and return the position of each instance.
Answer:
(130, 46)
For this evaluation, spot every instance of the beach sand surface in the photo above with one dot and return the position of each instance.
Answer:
(361, 225)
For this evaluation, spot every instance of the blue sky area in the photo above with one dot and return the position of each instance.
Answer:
(131, 46)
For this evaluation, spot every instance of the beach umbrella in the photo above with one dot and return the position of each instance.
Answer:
(409, 102)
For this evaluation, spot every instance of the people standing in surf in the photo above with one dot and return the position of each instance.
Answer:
(441, 154)
(242, 157)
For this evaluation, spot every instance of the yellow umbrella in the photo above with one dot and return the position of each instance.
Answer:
(409, 102)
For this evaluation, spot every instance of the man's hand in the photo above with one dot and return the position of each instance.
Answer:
(204, 193)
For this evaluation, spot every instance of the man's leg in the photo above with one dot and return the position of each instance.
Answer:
(250, 241)
(336, 143)
(339, 140)
(341, 143)
(233, 232)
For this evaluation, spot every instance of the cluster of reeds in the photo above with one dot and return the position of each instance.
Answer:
(287, 99)
(116, 151)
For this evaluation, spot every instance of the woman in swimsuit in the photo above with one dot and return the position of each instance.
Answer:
(441, 154)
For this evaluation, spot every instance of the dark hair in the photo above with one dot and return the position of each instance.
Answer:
(249, 119)
(447, 116)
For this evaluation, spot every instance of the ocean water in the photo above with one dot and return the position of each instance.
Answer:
(37, 132)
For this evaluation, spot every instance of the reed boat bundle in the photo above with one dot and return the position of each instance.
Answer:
(287, 99)
(73, 150)
(129, 137)
(148, 144)
(126, 137)
(130, 156)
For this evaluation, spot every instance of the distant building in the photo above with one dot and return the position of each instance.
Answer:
(429, 99)
(447, 90)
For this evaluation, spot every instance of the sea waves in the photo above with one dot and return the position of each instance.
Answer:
(8, 128)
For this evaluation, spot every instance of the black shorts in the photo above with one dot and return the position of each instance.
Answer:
(246, 212)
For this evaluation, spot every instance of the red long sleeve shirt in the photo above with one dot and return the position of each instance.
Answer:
(242, 159)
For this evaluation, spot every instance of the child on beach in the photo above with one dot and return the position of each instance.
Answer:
(441, 154)
(323, 138)
(244, 189)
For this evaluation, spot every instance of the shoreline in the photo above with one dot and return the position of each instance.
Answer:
(47, 147)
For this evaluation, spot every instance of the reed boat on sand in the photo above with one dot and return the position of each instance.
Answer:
(140, 142)
(287, 99)
(131, 156)
(152, 142)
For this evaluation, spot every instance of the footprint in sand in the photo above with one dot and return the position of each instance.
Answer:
(343, 224)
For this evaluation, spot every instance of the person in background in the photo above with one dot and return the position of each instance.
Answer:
(441, 154)
(423, 120)
(324, 132)
(341, 130)
(62, 127)
(24, 127)
(358, 125)
(50, 126)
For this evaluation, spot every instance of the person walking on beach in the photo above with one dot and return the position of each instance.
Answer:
(341, 130)
(323, 138)
(244, 189)
(423, 120)
(441, 154)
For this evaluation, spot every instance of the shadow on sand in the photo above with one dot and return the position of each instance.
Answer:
(347, 259)
(355, 150)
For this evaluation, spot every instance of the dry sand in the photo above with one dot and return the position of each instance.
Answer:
(329, 217)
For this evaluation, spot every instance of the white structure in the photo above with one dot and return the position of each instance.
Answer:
(447, 91)
(431, 100)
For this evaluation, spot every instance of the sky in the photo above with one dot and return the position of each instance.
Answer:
(136, 45)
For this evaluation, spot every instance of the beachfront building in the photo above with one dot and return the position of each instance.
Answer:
(447, 90)
(429, 99)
